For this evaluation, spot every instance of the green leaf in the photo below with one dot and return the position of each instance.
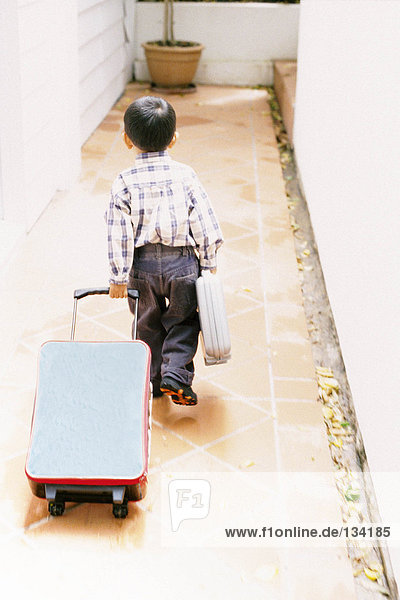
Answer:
(352, 495)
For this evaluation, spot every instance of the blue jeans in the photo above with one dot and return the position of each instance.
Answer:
(167, 314)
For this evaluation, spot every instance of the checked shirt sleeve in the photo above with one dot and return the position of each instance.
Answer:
(120, 233)
(204, 226)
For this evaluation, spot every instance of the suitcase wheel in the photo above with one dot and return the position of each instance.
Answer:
(120, 511)
(138, 492)
(56, 509)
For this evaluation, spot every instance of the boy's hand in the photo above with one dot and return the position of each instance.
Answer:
(118, 290)
(213, 270)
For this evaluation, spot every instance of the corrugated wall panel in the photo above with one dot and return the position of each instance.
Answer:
(100, 78)
(102, 60)
(98, 49)
(96, 20)
(89, 118)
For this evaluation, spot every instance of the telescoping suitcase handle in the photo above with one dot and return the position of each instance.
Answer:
(79, 294)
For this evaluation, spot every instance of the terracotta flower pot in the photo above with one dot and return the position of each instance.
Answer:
(172, 66)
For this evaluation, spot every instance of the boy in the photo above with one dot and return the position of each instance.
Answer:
(158, 215)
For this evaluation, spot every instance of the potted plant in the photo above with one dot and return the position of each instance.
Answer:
(172, 63)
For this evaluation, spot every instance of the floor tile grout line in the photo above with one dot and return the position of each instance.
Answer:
(237, 253)
(108, 328)
(211, 379)
(199, 450)
(245, 296)
(26, 347)
(83, 316)
(298, 400)
(241, 270)
(103, 162)
(19, 534)
(15, 454)
(260, 408)
(111, 311)
(36, 524)
(220, 460)
(240, 398)
(204, 447)
(178, 435)
(209, 171)
(251, 231)
(244, 203)
(261, 352)
(26, 339)
(264, 289)
(237, 431)
(185, 455)
(302, 379)
(18, 531)
(26, 540)
(231, 394)
(292, 428)
(101, 315)
(211, 136)
(287, 587)
(244, 311)
(257, 347)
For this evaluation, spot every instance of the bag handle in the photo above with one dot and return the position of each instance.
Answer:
(82, 293)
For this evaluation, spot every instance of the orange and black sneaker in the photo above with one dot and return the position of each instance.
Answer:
(180, 394)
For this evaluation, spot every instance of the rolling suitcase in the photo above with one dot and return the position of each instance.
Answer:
(90, 434)
(215, 336)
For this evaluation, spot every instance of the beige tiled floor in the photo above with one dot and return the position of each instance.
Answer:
(257, 414)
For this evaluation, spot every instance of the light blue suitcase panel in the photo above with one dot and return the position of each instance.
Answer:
(91, 413)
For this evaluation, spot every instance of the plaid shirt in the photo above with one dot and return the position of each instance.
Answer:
(162, 201)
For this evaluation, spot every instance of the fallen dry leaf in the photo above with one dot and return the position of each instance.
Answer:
(327, 412)
(324, 371)
(247, 464)
(372, 575)
(300, 265)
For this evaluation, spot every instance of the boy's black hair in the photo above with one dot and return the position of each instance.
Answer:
(150, 123)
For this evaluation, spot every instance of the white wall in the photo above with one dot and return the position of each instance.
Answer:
(38, 103)
(10, 105)
(346, 137)
(62, 66)
(103, 59)
(241, 40)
